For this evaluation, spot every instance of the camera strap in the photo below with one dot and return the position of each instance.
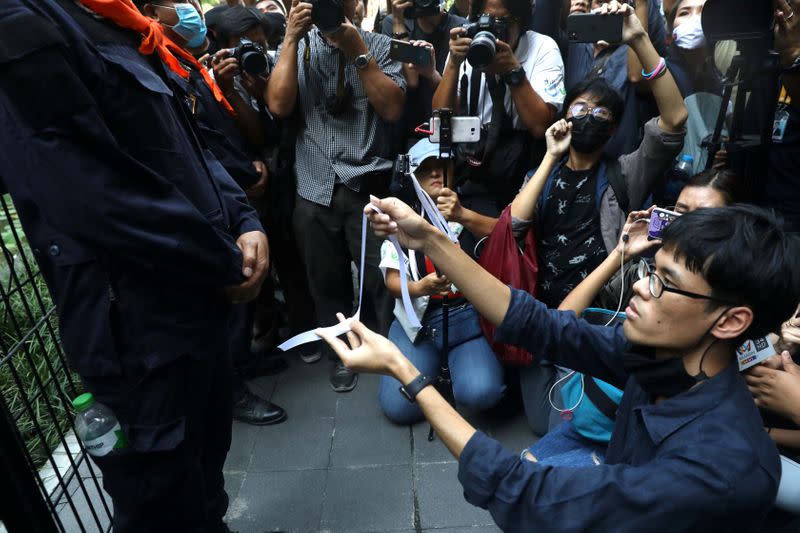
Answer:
(438, 221)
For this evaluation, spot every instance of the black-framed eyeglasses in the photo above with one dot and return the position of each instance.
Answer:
(581, 109)
(658, 286)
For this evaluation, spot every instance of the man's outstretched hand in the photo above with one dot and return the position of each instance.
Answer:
(255, 265)
(399, 219)
(368, 352)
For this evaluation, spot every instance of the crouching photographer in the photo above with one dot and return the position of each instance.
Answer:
(513, 79)
(344, 87)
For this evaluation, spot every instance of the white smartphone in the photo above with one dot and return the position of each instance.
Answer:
(465, 129)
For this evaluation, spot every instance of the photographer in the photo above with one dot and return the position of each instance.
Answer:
(516, 96)
(477, 377)
(344, 87)
(423, 26)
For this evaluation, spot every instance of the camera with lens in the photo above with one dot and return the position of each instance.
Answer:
(252, 58)
(484, 34)
(327, 15)
(422, 8)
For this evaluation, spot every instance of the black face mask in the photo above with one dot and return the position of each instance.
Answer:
(659, 377)
(589, 134)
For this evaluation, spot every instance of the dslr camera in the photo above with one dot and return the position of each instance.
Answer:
(484, 34)
(327, 15)
(422, 8)
(252, 58)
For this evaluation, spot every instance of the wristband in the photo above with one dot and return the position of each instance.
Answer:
(658, 72)
(413, 388)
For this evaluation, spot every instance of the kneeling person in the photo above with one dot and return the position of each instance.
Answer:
(688, 447)
(477, 375)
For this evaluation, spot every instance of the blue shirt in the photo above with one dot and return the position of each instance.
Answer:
(699, 461)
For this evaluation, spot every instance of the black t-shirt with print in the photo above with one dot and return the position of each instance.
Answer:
(568, 230)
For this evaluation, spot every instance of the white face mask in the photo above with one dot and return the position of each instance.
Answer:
(689, 35)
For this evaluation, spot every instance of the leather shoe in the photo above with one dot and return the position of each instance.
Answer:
(262, 366)
(342, 378)
(252, 409)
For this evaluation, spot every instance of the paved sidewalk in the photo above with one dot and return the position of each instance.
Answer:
(337, 465)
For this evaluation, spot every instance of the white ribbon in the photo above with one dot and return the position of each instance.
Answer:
(341, 328)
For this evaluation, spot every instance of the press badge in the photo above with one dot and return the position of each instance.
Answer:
(753, 352)
(779, 126)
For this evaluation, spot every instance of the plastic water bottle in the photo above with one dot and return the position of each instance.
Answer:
(97, 427)
(684, 169)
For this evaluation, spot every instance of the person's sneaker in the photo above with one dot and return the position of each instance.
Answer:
(342, 378)
(310, 353)
(252, 409)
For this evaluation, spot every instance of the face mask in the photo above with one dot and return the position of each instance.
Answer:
(190, 25)
(660, 377)
(689, 35)
(589, 134)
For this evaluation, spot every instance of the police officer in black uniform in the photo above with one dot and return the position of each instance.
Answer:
(144, 241)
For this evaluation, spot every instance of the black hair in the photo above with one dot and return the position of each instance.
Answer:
(519, 9)
(603, 93)
(745, 256)
(725, 181)
(237, 20)
(672, 14)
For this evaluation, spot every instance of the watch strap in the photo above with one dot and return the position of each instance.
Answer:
(514, 77)
(794, 68)
(363, 60)
(413, 388)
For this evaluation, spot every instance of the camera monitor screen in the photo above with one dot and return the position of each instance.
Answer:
(738, 19)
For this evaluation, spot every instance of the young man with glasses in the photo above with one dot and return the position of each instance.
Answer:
(688, 448)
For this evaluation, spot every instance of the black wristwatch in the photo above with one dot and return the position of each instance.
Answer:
(411, 390)
(514, 77)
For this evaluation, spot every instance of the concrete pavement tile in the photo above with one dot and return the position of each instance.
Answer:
(242, 444)
(441, 499)
(363, 441)
(368, 499)
(297, 444)
(278, 501)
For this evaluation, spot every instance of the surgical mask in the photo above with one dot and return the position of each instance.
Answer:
(689, 35)
(589, 134)
(659, 377)
(190, 26)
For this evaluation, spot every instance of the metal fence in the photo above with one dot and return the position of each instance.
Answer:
(52, 483)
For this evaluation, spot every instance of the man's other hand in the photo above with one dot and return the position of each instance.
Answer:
(255, 266)
(299, 21)
(258, 189)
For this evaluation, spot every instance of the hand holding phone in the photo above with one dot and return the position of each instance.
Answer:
(594, 27)
(409, 53)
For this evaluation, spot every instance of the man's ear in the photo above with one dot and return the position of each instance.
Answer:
(149, 11)
(733, 323)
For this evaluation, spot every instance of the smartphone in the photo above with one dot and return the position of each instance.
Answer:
(408, 53)
(465, 129)
(590, 28)
(659, 220)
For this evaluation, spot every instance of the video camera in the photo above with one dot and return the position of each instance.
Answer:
(755, 72)
(252, 58)
(327, 15)
(484, 34)
(422, 8)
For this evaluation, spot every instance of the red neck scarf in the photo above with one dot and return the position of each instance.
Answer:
(125, 15)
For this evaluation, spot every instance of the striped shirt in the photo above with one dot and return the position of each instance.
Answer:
(343, 148)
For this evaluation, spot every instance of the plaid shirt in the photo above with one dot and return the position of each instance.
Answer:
(344, 148)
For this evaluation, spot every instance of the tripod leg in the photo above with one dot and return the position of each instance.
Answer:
(444, 382)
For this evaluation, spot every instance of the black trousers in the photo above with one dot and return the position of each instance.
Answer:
(178, 422)
(329, 238)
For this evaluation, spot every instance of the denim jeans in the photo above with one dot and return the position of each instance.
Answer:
(563, 446)
(475, 372)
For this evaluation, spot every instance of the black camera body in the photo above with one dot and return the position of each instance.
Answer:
(327, 15)
(252, 58)
(484, 34)
(422, 8)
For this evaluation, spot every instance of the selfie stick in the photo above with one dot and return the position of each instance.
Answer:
(444, 384)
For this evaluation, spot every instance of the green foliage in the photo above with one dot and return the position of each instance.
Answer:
(36, 365)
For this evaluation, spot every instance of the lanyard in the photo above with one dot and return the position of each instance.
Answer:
(343, 327)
